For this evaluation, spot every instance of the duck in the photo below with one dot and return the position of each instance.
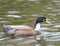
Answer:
(24, 30)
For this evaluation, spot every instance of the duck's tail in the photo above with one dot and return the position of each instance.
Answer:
(3, 28)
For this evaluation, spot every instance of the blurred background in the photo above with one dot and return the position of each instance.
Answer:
(25, 12)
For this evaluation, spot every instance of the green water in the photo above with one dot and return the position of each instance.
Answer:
(27, 12)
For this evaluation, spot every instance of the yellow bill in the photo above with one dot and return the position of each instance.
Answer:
(47, 21)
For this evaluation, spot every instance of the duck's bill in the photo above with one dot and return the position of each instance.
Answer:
(48, 22)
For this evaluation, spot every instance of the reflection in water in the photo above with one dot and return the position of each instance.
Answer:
(46, 39)
(41, 42)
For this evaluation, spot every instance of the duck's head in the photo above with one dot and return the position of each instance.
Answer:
(40, 20)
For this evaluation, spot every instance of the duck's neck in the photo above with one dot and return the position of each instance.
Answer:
(37, 27)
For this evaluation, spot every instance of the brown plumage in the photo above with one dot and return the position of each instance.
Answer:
(23, 32)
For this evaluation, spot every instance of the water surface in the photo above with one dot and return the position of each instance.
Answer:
(25, 13)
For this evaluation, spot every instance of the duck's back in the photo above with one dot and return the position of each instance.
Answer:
(18, 26)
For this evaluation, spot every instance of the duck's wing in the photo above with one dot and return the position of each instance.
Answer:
(17, 26)
(25, 32)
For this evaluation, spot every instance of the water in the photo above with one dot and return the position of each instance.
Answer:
(14, 13)
(48, 38)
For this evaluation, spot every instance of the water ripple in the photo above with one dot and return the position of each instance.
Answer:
(14, 16)
(56, 26)
(51, 36)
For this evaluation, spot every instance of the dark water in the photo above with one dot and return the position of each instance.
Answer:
(50, 32)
